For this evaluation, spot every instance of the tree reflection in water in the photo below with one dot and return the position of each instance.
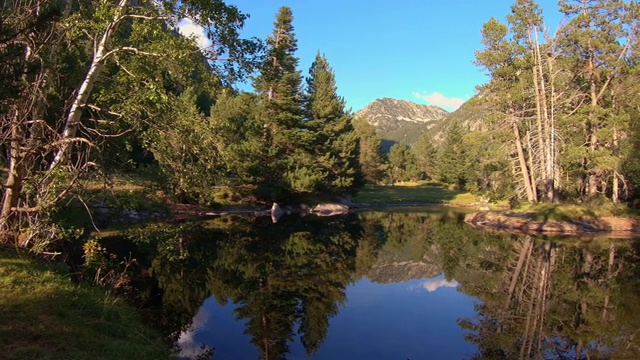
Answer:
(538, 298)
(560, 299)
(280, 276)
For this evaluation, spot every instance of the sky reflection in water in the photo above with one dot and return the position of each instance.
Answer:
(406, 320)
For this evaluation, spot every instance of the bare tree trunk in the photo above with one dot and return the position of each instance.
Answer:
(531, 196)
(538, 86)
(548, 169)
(532, 173)
(524, 252)
(615, 191)
(552, 149)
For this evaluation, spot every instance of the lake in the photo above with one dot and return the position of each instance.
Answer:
(409, 284)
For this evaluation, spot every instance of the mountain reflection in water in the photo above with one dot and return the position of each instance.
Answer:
(415, 284)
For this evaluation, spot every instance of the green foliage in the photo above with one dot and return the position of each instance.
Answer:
(452, 160)
(425, 154)
(402, 164)
(334, 143)
(567, 97)
(280, 143)
(95, 82)
(372, 162)
(488, 170)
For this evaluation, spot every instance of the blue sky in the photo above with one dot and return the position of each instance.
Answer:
(418, 50)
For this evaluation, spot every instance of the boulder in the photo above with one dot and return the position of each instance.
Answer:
(330, 209)
(276, 212)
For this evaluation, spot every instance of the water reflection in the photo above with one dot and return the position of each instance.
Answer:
(559, 299)
(400, 284)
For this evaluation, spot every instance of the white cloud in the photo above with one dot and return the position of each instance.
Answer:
(186, 27)
(189, 347)
(440, 100)
(434, 284)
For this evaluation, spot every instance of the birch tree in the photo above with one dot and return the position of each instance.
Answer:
(48, 148)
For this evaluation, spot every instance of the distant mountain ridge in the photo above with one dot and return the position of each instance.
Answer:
(401, 121)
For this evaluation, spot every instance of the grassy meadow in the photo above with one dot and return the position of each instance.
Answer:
(413, 193)
(45, 315)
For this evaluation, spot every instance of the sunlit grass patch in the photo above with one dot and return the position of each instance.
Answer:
(45, 315)
(414, 193)
(563, 212)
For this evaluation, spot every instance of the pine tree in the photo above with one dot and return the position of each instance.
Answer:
(452, 159)
(402, 164)
(334, 144)
(506, 94)
(278, 85)
(371, 159)
(425, 154)
(594, 45)
(526, 23)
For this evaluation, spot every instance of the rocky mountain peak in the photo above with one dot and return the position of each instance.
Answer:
(388, 114)
(401, 120)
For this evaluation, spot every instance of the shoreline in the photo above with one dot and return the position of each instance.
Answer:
(524, 223)
(488, 220)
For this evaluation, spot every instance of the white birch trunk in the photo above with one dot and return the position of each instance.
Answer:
(84, 91)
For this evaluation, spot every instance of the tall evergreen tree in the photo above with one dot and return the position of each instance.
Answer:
(452, 159)
(507, 95)
(334, 143)
(526, 23)
(280, 112)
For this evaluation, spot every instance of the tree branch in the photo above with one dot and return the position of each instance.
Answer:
(144, 17)
(127, 48)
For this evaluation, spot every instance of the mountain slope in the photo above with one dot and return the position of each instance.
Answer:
(470, 115)
(400, 120)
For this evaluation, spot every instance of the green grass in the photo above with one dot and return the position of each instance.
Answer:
(564, 212)
(413, 193)
(45, 315)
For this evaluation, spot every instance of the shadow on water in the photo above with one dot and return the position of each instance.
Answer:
(535, 298)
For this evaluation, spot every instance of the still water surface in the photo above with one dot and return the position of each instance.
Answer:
(414, 284)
